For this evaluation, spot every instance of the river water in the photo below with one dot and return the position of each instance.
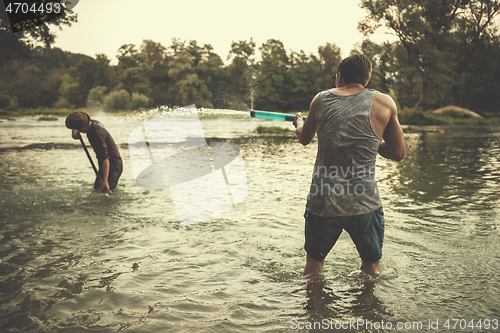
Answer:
(74, 260)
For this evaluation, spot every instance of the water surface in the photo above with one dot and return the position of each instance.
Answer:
(73, 260)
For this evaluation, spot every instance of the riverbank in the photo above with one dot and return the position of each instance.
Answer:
(9, 114)
(450, 115)
(47, 114)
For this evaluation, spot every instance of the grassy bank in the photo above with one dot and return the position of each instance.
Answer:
(6, 114)
(444, 116)
(273, 130)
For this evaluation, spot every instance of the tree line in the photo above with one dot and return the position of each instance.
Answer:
(448, 53)
(183, 73)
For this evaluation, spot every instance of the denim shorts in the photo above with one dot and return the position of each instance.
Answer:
(366, 231)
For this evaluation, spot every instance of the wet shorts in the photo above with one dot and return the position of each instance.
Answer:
(366, 231)
(113, 177)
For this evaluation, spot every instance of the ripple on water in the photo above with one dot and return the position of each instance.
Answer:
(73, 260)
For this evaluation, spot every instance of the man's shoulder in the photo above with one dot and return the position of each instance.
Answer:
(382, 110)
(98, 126)
(96, 123)
(383, 102)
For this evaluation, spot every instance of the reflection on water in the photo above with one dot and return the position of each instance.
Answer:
(74, 260)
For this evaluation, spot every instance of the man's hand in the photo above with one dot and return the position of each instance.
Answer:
(299, 119)
(104, 186)
(75, 134)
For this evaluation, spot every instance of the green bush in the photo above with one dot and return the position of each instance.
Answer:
(416, 117)
(272, 130)
(95, 99)
(138, 101)
(71, 91)
(4, 101)
(62, 103)
(14, 103)
(47, 118)
(454, 114)
(449, 117)
(117, 101)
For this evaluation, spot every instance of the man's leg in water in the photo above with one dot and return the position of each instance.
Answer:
(371, 269)
(313, 267)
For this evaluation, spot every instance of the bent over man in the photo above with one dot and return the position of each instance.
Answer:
(353, 124)
(108, 156)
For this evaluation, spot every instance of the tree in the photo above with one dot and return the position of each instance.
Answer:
(209, 70)
(95, 99)
(480, 83)
(241, 75)
(92, 73)
(429, 30)
(329, 59)
(4, 101)
(475, 49)
(131, 72)
(189, 87)
(273, 88)
(128, 57)
(423, 28)
(153, 54)
(35, 26)
(26, 68)
(155, 68)
(138, 101)
(303, 75)
(13, 47)
(71, 93)
(117, 101)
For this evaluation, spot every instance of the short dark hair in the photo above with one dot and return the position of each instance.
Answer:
(356, 69)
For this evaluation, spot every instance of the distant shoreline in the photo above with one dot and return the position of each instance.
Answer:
(450, 115)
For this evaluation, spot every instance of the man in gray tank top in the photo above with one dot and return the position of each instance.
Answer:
(353, 124)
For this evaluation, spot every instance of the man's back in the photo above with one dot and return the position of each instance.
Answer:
(104, 145)
(343, 182)
(383, 119)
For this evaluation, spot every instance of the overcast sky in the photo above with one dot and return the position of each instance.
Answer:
(104, 25)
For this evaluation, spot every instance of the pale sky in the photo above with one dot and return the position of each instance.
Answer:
(105, 25)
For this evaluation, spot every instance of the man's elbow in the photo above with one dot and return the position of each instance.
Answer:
(399, 158)
(304, 142)
(303, 139)
(400, 154)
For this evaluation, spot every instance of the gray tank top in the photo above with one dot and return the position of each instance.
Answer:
(343, 182)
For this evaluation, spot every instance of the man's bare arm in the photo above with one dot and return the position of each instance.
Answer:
(305, 130)
(393, 147)
(105, 174)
